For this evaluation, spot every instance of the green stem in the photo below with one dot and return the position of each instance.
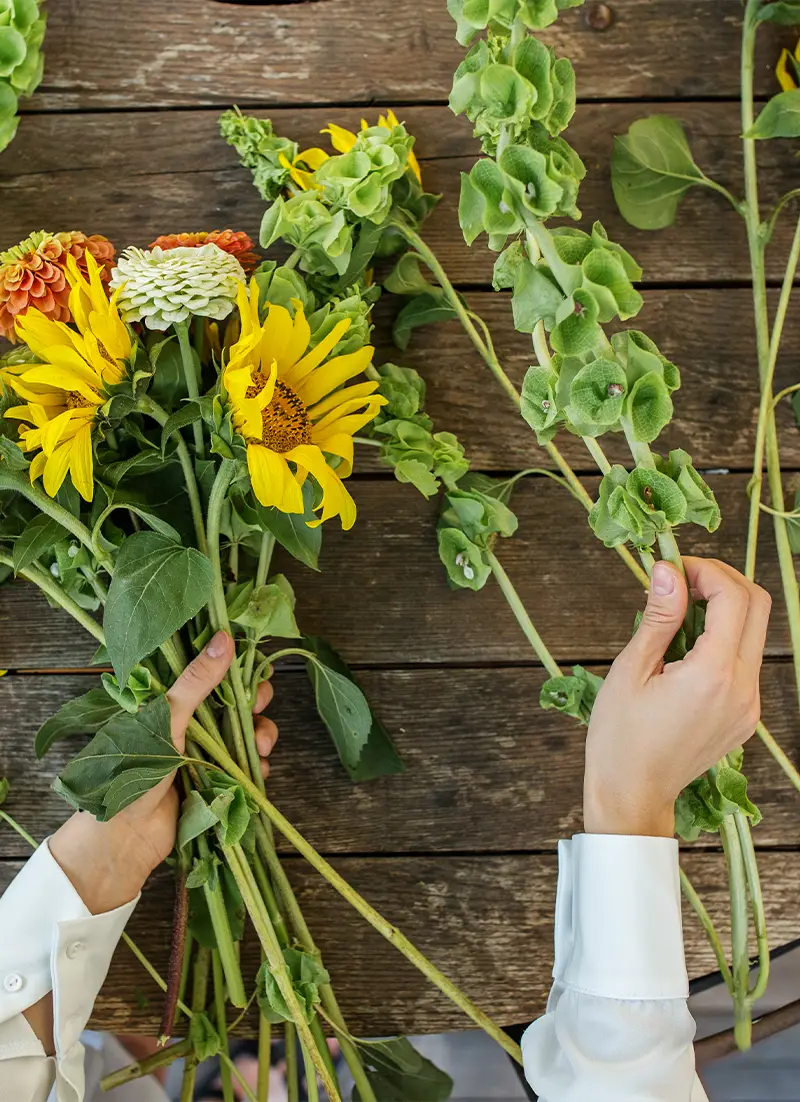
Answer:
(47, 583)
(376, 920)
(773, 218)
(312, 1089)
(292, 1070)
(739, 930)
(190, 374)
(6, 818)
(766, 405)
(220, 922)
(264, 1058)
(597, 454)
(264, 559)
(17, 481)
(237, 1075)
(523, 619)
(139, 1068)
(322, 1045)
(200, 973)
(779, 755)
(222, 1025)
(154, 410)
(756, 904)
(707, 923)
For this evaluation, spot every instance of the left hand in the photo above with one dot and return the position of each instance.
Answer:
(108, 863)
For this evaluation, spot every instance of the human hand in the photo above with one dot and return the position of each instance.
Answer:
(656, 727)
(108, 863)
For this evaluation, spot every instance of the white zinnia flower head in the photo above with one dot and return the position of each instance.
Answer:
(163, 286)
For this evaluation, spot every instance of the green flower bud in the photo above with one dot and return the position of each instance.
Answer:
(323, 237)
(404, 389)
(360, 180)
(279, 285)
(260, 149)
(479, 516)
(356, 306)
(463, 560)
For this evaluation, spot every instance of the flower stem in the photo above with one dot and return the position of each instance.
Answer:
(312, 1089)
(707, 923)
(139, 1068)
(264, 1058)
(292, 1070)
(220, 922)
(222, 1024)
(48, 585)
(756, 904)
(18, 481)
(523, 619)
(190, 374)
(376, 920)
(739, 931)
(264, 559)
(6, 818)
(779, 755)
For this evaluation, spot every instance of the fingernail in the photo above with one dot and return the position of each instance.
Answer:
(216, 648)
(663, 580)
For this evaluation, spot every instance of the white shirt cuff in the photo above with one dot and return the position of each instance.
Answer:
(619, 932)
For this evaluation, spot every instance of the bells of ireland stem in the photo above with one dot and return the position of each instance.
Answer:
(498, 16)
(22, 27)
(265, 153)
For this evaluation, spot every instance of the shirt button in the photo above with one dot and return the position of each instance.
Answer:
(13, 983)
(75, 948)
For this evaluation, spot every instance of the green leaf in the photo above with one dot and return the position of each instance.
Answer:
(199, 918)
(127, 757)
(421, 310)
(508, 265)
(291, 529)
(576, 331)
(596, 397)
(307, 976)
(649, 407)
(5, 788)
(407, 279)
(12, 454)
(196, 818)
(270, 610)
(651, 169)
(201, 872)
(793, 526)
(83, 716)
(780, 117)
(136, 692)
(573, 695)
(536, 298)
(232, 813)
(204, 1038)
(659, 494)
(539, 406)
(786, 13)
(701, 504)
(343, 709)
(185, 415)
(157, 587)
(417, 474)
(39, 536)
(463, 560)
(379, 758)
(398, 1073)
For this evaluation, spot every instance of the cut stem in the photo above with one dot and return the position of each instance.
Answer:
(222, 1025)
(699, 908)
(192, 384)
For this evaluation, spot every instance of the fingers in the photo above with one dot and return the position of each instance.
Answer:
(264, 695)
(199, 679)
(663, 615)
(736, 616)
(266, 737)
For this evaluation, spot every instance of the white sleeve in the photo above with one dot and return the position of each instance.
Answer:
(49, 941)
(617, 1026)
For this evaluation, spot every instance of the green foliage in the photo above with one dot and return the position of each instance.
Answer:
(404, 391)
(157, 586)
(259, 149)
(786, 13)
(539, 405)
(421, 310)
(40, 535)
(323, 237)
(701, 505)
(210, 876)
(651, 170)
(205, 1040)
(378, 757)
(84, 715)
(628, 509)
(278, 285)
(420, 456)
(780, 117)
(463, 559)
(127, 757)
(307, 976)
(360, 180)
(704, 803)
(398, 1073)
(22, 27)
(474, 514)
(132, 695)
(574, 694)
(5, 788)
(343, 709)
(268, 610)
(291, 530)
(499, 16)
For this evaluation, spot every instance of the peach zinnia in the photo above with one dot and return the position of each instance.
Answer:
(235, 242)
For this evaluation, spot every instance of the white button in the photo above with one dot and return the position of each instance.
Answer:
(13, 983)
(75, 948)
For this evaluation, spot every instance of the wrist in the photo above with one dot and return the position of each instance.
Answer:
(607, 812)
(98, 860)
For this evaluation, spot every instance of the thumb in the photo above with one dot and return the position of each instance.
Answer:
(663, 615)
(199, 679)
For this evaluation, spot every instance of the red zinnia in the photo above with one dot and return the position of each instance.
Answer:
(235, 242)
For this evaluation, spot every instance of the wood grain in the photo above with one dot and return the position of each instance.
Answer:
(478, 748)
(382, 597)
(487, 922)
(145, 173)
(367, 51)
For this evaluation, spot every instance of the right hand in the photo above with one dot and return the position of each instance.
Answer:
(656, 727)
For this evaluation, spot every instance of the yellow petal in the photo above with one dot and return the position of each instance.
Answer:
(55, 469)
(342, 445)
(80, 463)
(37, 467)
(41, 334)
(332, 374)
(277, 331)
(785, 78)
(66, 378)
(342, 140)
(53, 431)
(298, 342)
(347, 394)
(295, 375)
(272, 480)
(313, 157)
(336, 501)
(349, 424)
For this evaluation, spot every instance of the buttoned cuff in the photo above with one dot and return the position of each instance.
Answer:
(619, 931)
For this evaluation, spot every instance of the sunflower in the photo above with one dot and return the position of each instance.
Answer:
(64, 392)
(290, 405)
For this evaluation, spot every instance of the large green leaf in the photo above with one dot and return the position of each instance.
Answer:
(127, 757)
(421, 310)
(307, 975)
(83, 716)
(269, 610)
(651, 169)
(291, 530)
(786, 13)
(398, 1073)
(157, 586)
(379, 758)
(780, 117)
(39, 536)
(343, 709)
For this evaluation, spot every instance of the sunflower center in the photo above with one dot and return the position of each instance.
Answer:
(285, 423)
(75, 400)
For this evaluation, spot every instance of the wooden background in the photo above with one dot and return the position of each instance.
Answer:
(460, 851)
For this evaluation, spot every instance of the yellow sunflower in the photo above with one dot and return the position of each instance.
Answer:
(787, 68)
(291, 406)
(64, 392)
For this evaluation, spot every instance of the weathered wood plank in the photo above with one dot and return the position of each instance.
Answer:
(146, 173)
(342, 51)
(479, 751)
(382, 596)
(486, 922)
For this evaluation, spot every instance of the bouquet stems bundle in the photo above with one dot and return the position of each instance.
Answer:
(566, 285)
(159, 441)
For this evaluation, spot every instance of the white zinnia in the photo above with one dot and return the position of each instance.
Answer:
(161, 287)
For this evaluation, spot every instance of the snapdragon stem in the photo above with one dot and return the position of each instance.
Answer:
(522, 617)
(192, 387)
(375, 919)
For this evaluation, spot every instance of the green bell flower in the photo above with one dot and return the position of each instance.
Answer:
(22, 27)
(278, 285)
(360, 180)
(322, 236)
(268, 156)
(356, 306)
(499, 16)
(404, 391)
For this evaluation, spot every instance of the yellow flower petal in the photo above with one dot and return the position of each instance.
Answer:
(54, 430)
(340, 397)
(313, 157)
(63, 378)
(333, 373)
(272, 480)
(351, 423)
(38, 464)
(342, 140)
(80, 463)
(295, 375)
(342, 445)
(41, 334)
(785, 78)
(55, 469)
(277, 331)
(336, 501)
(298, 342)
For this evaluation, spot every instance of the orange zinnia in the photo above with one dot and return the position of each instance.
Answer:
(235, 242)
